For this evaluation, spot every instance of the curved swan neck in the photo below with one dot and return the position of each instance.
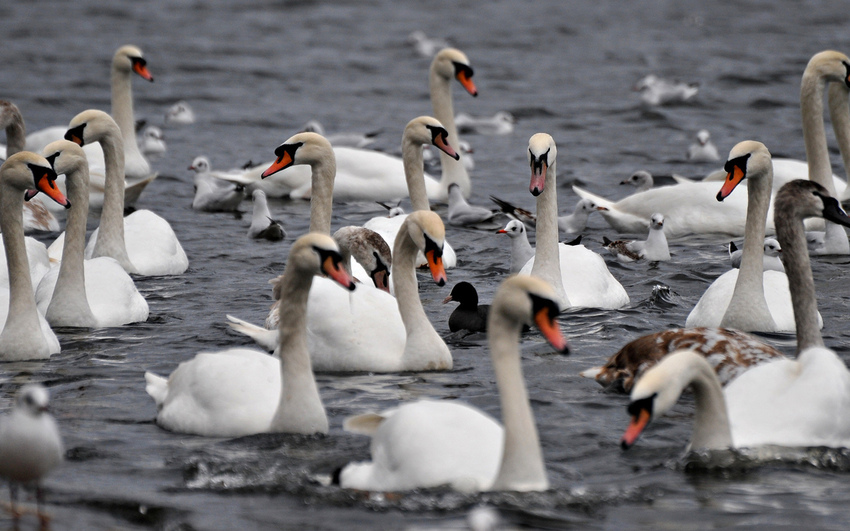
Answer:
(16, 134)
(748, 308)
(21, 334)
(801, 283)
(547, 259)
(322, 193)
(814, 134)
(441, 102)
(839, 112)
(122, 108)
(414, 174)
(69, 305)
(300, 409)
(522, 466)
(711, 422)
(110, 235)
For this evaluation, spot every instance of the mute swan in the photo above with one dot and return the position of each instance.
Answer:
(653, 249)
(240, 391)
(26, 334)
(749, 298)
(420, 131)
(90, 293)
(770, 261)
(521, 250)
(211, 193)
(180, 113)
(469, 315)
(262, 224)
(578, 275)
(800, 402)
(429, 443)
(143, 242)
(655, 90)
(703, 150)
(501, 123)
(30, 444)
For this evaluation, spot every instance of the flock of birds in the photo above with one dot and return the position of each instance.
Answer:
(325, 319)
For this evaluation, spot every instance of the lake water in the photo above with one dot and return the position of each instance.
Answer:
(255, 72)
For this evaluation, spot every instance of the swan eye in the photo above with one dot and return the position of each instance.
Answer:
(431, 246)
(739, 162)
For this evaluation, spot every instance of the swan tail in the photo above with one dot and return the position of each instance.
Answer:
(156, 387)
(365, 424)
(263, 337)
(598, 199)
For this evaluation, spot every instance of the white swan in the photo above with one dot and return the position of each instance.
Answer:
(26, 334)
(579, 276)
(143, 242)
(800, 402)
(91, 293)
(241, 391)
(749, 298)
(429, 443)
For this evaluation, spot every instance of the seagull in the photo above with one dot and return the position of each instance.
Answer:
(771, 255)
(355, 140)
(262, 224)
(641, 179)
(703, 150)
(521, 250)
(462, 213)
(180, 113)
(151, 142)
(658, 91)
(501, 123)
(211, 193)
(653, 249)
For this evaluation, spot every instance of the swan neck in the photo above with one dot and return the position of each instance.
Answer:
(300, 409)
(122, 105)
(801, 283)
(322, 194)
(547, 261)
(16, 135)
(522, 466)
(839, 112)
(441, 102)
(414, 174)
(814, 133)
(711, 420)
(110, 234)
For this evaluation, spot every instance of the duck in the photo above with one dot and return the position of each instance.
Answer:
(428, 443)
(461, 213)
(642, 180)
(749, 298)
(181, 113)
(354, 140)
(703, 150)
(240, 391)
(771, 261)
(263, 227)
(579, 276)
(93, 293)
(152, 142)
(30, 444)
(653, 249)
(143, 242)
(787, 402)
(469, 315)
(211, 193)
(655, 90)
(521, 250)
(501, 123)
(26, 334)
(422, 130)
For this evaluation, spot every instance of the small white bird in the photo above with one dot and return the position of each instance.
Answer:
(180, 113)
(424, 45)
(703, 150)
(262, 224)
(575, 223)
(211, 193)
(462, 213)
(151, 142)
(355, 140)
(658, 91)
(521, 250)
(641, 179)
(30, 444)
(501, 123)
(653, 249)
(392, 211)
(771, 255)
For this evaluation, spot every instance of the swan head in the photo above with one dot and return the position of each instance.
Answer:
(428, 233)
(425, 130)
(31, 173)
(318, 254)
(513, 229)
(830, 65)
(201, 164)
(452, 63)
(301, 148)
(32, 399)
(9, 114)
(371, 250)
(541, 155)
(747, 160)
(800, 199)
(65, 156)
(92, 125)
(128, 59)
(527, 300)
(658, 390)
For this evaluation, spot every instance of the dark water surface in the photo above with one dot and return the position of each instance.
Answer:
(255, 72)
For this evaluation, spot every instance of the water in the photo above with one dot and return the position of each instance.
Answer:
(254, 73)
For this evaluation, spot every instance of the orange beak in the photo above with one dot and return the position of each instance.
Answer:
(501, 231)
(549, 327)
(47, 186)
(338, 274)
(466, 82)
(634, 430)
(142, 70)
(444, 146)
(733, 179)
(435, 264)
(381, 280)
(282, 163)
